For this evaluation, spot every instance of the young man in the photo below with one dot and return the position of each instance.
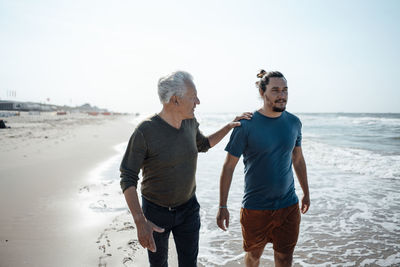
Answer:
(270, 143)
(165, 147)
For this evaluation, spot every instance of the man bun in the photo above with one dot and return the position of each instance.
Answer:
(261, 74)
(264, 78)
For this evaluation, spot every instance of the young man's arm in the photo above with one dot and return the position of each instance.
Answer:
(145, 228)
(224, 186)
(216, 137)
(300, 168)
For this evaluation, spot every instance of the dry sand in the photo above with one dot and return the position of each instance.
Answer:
(44, 161)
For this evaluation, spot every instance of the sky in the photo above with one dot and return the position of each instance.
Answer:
(337, 56)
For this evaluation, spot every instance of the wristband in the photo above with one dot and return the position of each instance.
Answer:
(223, 207)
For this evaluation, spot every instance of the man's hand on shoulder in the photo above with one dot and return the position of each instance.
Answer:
(217, 136)
(244, 116)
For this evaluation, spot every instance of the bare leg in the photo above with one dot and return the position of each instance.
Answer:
(252, 258)
(283, 260)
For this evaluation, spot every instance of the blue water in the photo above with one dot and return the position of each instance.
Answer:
(353, 163)
(379, 133)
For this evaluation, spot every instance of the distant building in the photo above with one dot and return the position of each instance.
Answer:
(11, 105)
(31, 106)
(24, 106)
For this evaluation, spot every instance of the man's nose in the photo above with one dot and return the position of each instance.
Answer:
(197, 101)
(282, 94)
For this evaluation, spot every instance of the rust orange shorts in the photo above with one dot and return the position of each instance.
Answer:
(279, 227)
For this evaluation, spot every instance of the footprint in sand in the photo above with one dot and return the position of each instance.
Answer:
(133, 244)
(127, 260)
(107, 183)
(115, 235)
(102, 248)
(85, 188)
(127, 226)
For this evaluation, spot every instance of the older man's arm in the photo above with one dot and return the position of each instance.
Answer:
(145, 227)
(216, 137)
(130, 168)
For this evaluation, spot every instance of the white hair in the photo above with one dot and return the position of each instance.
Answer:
(173, 84)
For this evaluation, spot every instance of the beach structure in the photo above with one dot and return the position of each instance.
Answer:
(25, 106)
(8, 105)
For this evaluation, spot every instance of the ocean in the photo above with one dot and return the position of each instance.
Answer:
(353, 163)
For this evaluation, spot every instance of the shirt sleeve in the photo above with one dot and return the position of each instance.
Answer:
(132, 161)
(299, 135)
(237, 142)
(203, 145)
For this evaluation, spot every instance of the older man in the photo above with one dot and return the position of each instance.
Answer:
(165, 147)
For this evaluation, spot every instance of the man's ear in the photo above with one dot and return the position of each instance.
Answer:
(261, 92)
(174, 100)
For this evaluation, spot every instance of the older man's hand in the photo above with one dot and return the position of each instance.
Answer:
(244, 116)
(145, 229)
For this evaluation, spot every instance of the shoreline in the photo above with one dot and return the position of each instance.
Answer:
(45, 222)
(44, 162)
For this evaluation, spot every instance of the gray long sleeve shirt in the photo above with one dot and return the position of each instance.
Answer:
(168, 159)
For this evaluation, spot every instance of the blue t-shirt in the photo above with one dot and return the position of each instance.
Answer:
(267, 145)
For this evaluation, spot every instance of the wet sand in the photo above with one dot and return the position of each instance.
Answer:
(44, 163)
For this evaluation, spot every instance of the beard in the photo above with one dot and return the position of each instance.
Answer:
(276, 109)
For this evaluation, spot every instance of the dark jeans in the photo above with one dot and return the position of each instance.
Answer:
(184, 222)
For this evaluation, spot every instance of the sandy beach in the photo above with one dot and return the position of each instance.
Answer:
(61, 204)
(44, 165)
